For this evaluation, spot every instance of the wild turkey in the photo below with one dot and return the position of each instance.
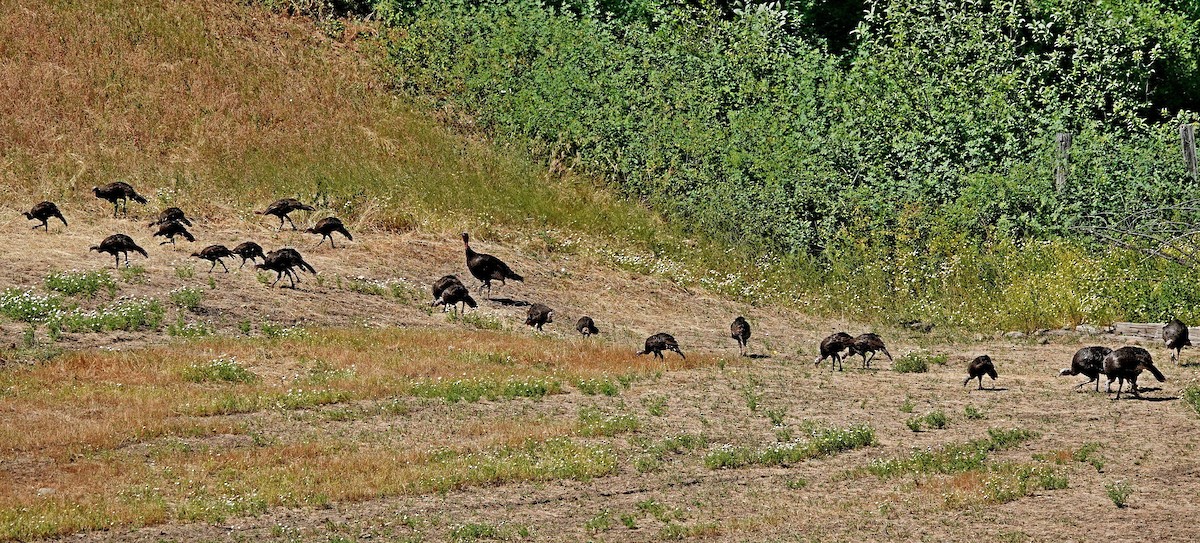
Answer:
(328, 226)
(116, 245)
(114, 192)
(832, 347)
(586, 326)
(43, 211)
(1125, 364)
(982, 365)
(660, 342)
(170, 214)
(280, 208)
(453, 295)
(868, 343)
(740, 330)
(249, 251)
(487, 268)
(442, 284)
(214, 254)
(172, 229)
(1175, 335)
(282, 261)
(1088, 361)
(539, 315)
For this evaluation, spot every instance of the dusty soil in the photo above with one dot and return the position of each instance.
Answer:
(1150, 443)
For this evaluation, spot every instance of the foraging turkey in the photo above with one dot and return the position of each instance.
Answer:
(982, 365)
(1125, 364)
(282, 261)
(868, 343)
(442, 284)
(116, 191)
(453, 295)
(214, 254)
(170, 214)
(833, 346)
(43, 211)
(539, 315)
(326, 227)
(487, 268)
(1088, 361)
(660, 342)
(116, 245)
(740, 330)
(172, 229)
(586, 326)
(280, 208)
(1175, 335)
(249, 251)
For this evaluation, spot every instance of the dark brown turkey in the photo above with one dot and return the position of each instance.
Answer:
(982, 365)
(280, 208)
(1125, 364)
(832, 347)
(487, 268)
(117, 245)
(660, 342)
(740, 330)
(1088, 361)
(118, 191)
(43, 211)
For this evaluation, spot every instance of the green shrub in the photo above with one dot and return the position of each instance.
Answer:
(123, 314)
(26, 306)
(1119, 493)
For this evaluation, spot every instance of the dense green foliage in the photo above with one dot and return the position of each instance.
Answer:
(904, 152)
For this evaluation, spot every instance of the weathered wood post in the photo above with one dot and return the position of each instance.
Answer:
(1063, 141)
(1187, 137)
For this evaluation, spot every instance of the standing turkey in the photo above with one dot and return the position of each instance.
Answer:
(660, 342)
(1125, 364)
(280, 208)
(326, 227)
(832, 347)
(249, 251)
(171, 214)
(118, 191)
(539, 315)
(453, 295)
(982, 365)
(586, 326)
(1088, 361)
(172, 229)
(868, 343)
(740, 330)
(214, 254)
(442, 284)
(43, 211)
(118, 244)
(282, 262)
(1175, 335)
(487, 268)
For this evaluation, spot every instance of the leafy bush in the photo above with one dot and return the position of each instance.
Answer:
(123, 314)
(909, 168)
(1118, 492)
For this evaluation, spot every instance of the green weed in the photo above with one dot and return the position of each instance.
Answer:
(73, 283)
(1118, 492)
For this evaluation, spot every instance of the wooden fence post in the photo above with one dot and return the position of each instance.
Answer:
(1063, 141)
(1187, 137)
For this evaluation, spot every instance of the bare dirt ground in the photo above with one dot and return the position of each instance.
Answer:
(1149, 444)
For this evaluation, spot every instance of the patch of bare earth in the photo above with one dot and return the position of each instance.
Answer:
(1149, 444)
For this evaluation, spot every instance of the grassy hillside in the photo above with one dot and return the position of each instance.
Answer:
(223, 107)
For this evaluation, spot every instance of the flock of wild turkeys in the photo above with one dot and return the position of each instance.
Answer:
(1122, 365)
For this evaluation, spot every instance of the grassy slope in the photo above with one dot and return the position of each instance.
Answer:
(222, 108)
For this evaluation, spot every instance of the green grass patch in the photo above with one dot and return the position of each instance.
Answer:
(81, 283)
(220, 370)
(935, 420)
(656, 452)
(127, 314)
(952, 458)
(822, 442)
(593, 422)
(917, 362)
(475, 389)
(1191, 397)
(189, 330)
(28, 306)
(592, 387)
(188, 298)
(1118, 492)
